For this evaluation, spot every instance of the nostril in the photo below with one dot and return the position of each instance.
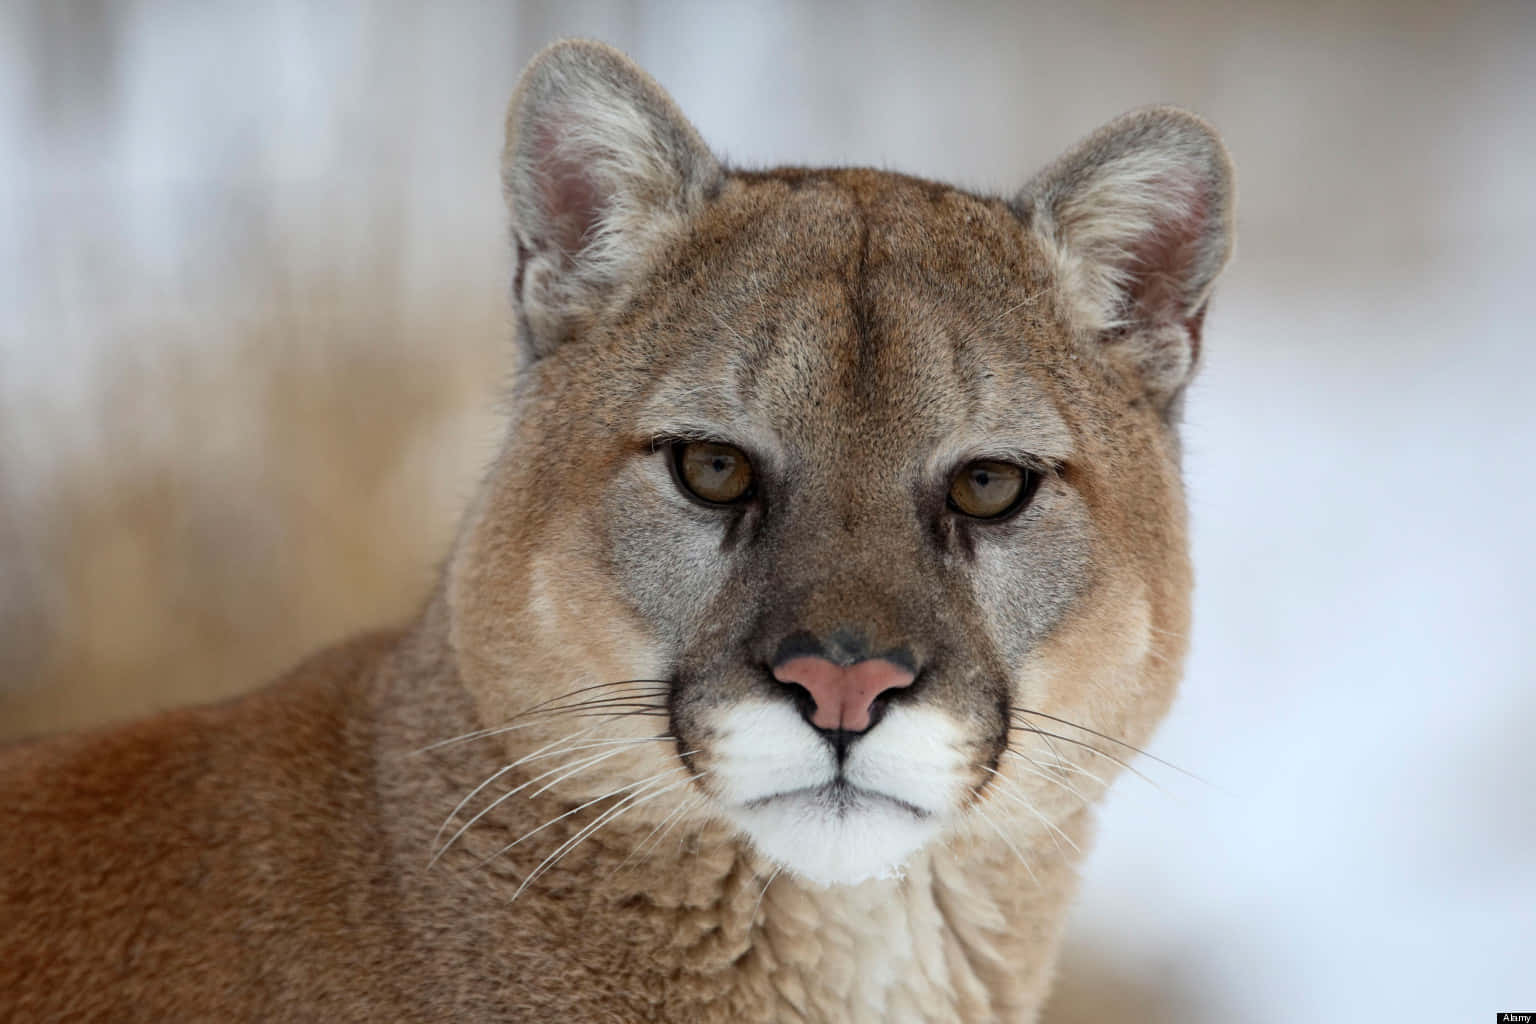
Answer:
(804, 702)
(822, 683)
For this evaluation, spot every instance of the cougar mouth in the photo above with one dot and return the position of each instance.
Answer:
(839, 797)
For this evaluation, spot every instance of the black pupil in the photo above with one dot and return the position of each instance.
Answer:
(713, 472)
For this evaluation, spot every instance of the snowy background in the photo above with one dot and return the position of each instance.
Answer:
(252, 331)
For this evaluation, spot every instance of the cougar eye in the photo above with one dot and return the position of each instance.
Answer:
(987, 489)
(716, 474)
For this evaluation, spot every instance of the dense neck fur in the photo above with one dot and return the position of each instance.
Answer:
(696, 926)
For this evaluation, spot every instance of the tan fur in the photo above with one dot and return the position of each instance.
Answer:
(281, 856)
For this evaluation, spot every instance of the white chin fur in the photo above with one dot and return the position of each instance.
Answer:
(808, 836)
(775, 777)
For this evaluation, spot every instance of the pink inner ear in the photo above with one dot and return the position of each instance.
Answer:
(569, 199)
(1164, 262)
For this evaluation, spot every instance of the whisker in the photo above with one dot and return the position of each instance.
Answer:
(575, 810)
(662, 827)
(640, 696)
(645, 712)
(1112, 739)
(694, 805)
(607, 705)
(581, 765)
(1069, 768)
(1004, 782)
(581, 768)
(1109, 757)
(1032, 728)
(629, 802)
(498, 774)
(477, 734)
(759, 904)
(1060, 766)
(1004, 837)
(659, 683)
(1041, 771)
(513, 724)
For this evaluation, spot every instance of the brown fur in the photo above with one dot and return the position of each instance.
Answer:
(280, 857)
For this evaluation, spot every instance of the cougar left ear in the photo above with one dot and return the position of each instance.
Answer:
(599, 166)
(1138, 219)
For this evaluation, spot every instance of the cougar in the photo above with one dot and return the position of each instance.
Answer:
(833, 564)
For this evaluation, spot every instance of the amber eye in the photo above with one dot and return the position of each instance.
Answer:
(986, 489)
(714, 473)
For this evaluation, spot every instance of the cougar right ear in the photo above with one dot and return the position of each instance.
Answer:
(1138, 220)
(599, 166)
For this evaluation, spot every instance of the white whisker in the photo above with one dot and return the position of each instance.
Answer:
(662, 827)
(759, 904)
(581, 765)
(1004, 837)
(1018, 797)
(631, 801)
(475, 735)
(1043, 771)
(576, 810)
(1123, 764)
(581, 768)
(499, 773)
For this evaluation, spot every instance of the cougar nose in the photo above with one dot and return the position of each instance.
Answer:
(842, 695)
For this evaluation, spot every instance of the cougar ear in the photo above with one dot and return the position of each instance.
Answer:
(1138, 218)
(599, 166)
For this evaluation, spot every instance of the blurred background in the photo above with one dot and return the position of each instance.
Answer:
(253, 333)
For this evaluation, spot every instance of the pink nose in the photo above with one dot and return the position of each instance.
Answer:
(843, 696)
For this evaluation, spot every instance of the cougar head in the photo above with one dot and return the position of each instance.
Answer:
(871, 481)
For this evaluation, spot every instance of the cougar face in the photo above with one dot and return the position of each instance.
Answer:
(857, 391)
(870, 483)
